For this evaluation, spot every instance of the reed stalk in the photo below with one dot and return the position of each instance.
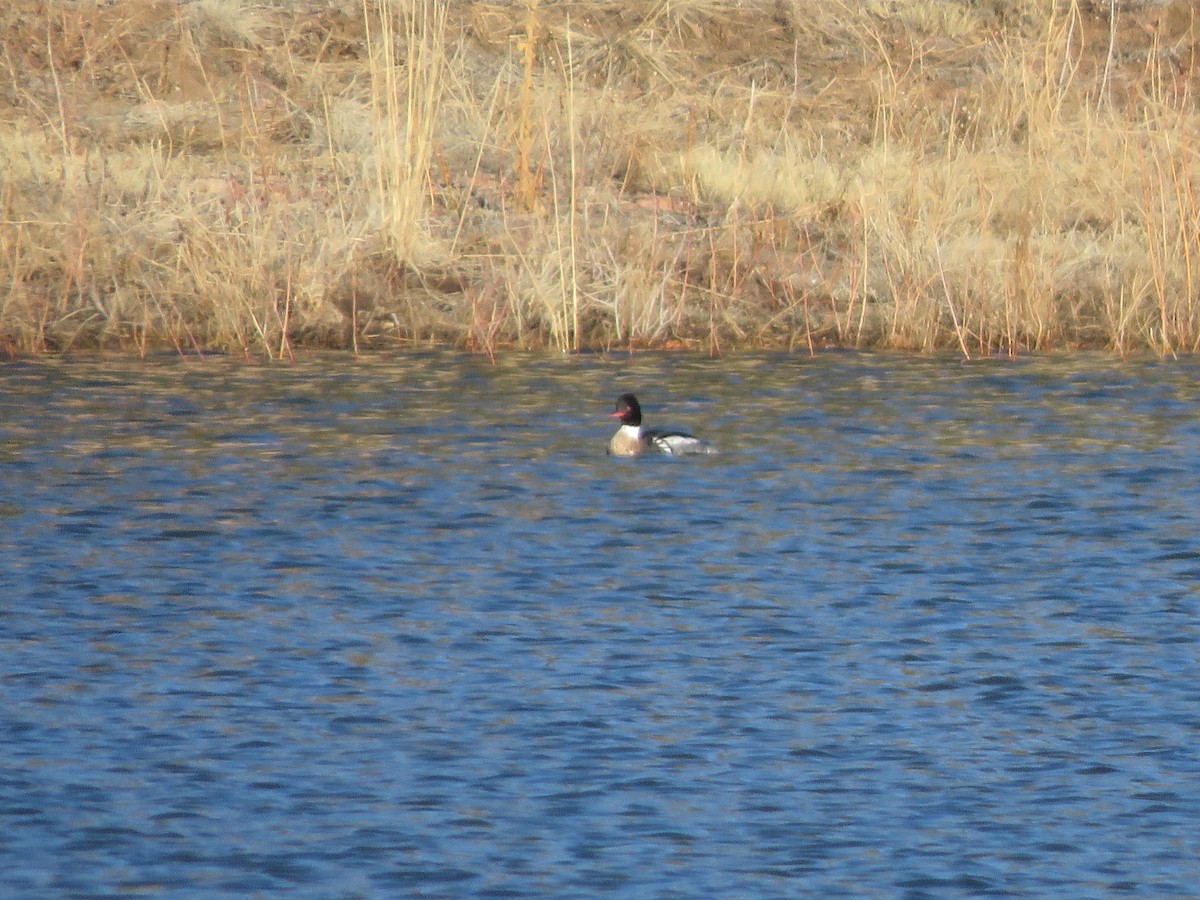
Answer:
(527, 181)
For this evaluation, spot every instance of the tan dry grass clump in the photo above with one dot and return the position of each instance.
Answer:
(916, 174)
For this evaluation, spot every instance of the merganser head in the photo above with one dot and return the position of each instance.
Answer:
(627, 410)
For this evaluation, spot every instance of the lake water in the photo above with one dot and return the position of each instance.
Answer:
(398, 627)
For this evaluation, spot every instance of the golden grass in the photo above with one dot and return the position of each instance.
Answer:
(912, 174)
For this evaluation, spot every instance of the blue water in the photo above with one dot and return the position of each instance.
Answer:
(397, 627)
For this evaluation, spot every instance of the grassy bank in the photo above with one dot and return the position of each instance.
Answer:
(912, 174)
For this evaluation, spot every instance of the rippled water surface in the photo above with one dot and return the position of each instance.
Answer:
(398, 627)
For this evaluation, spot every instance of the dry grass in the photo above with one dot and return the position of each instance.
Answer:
(915, 174)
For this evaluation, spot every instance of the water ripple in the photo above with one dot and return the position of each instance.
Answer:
(399, 626)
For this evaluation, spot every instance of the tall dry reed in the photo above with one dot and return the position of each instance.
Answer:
(405, 47)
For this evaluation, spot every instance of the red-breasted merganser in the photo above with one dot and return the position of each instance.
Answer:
(631, 438)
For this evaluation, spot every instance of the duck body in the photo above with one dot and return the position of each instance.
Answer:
(632, 439)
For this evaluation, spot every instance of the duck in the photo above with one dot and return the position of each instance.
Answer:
(632, 439)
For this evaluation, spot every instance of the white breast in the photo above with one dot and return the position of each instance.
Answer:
(626, 442)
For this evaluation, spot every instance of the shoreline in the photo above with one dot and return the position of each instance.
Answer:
(917, 176)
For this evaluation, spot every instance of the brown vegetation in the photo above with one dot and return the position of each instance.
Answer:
(915, 174)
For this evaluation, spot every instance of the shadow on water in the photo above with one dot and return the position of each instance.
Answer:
(399, 626)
